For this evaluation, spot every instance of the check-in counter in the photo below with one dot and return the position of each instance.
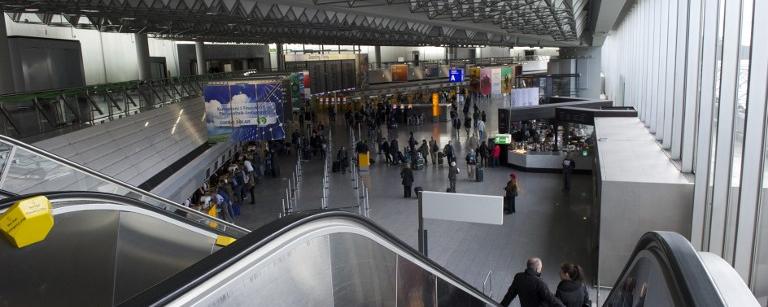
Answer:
(545, 160)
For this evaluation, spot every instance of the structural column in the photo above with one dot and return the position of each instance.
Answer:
(280, 57)
(6, 75)
(377, 52)
(142, 55)
(200, 54)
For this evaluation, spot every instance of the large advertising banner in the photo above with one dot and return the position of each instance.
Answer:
(306, 82)
(507, 80)
(485, 81)
(244, 111)
(399, 72)
(496, 81)
(474, 79)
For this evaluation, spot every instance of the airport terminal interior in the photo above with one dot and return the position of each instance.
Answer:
(384, 153)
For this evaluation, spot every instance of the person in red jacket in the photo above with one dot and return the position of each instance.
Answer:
(495, 154)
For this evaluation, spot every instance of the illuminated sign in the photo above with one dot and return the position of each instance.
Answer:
(456, 75)
(435, 105)
(503, 139)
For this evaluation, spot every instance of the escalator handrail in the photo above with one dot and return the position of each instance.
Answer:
(683, 264)
(175, 286)
(106, 197)
(117, 182)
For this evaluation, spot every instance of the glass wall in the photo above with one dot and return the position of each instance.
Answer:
(697, 73)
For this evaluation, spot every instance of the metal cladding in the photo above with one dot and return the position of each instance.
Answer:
(422, 22)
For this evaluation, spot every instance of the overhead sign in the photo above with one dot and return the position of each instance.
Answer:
(456, 75)
(473, 208)
(503, 139)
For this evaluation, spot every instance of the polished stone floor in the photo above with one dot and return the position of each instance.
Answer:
(549, 222)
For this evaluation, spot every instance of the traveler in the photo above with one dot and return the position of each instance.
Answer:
(495, 155)
(343, 157)
(472, 142)
(424, 150)
(510, 192)
(483, 152)
(481, 129)
(471, 164)
(571, 291)
(448, 152)
(533, 292)
(394, 149)
(457, 126)
(407, 175)
(412, 142)
(384, 148)
(568, 166)
(433, 149)
(482, 116)
(467, 124)
(453, 173)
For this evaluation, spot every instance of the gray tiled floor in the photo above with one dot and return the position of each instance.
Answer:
(549, 223)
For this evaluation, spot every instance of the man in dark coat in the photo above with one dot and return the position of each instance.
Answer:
(532, 290)
(407, 174)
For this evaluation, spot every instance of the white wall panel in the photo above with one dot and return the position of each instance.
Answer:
(129, 151)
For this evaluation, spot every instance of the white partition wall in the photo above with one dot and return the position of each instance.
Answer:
(697, 71)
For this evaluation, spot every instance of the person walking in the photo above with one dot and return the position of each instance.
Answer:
(448, 152)
(471, 160)
(568, 166)
(467, 124)
(495, 155)
(433, 149)
(393, 150)
(529, 286)
(571, 291)
(343, 157)
(453, 173)
(457, 126)
(510, 192)
(484, 153)
(481, 129)
(407, 175)
(384, 148)
(424, 151)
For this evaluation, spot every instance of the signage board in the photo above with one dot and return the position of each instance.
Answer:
(456, 75)
(472, 208)
(503, 139)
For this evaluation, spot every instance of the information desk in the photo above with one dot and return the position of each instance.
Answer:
(546, 160)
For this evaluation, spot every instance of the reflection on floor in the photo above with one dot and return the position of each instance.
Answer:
(549, 222)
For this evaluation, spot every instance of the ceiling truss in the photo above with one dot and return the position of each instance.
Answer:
(321, 23)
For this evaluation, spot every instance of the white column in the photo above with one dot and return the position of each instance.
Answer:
(280, 57)
(200, 54)
(6, 76)
(142, 55)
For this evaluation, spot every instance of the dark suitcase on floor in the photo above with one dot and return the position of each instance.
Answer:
(335, 167)
(440, 157)
(416, 191)
(479, 174)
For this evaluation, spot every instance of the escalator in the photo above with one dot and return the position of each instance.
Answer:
(116, 245)
(113, 250)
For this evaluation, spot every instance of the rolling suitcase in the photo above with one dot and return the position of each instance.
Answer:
(416, 191)
(479, 174)
(440, 158)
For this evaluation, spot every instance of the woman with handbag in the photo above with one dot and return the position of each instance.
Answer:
(571, 291)
(510, 192)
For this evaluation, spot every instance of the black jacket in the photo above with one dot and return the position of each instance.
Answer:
(573, 294)
(532, 290)
(407, 175)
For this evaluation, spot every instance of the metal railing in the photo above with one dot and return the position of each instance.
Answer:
(36, 115)
(327, 164)
(292, 192)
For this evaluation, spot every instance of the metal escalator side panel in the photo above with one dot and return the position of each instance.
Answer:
(729, 283)
(664, 270)
(28, 169)
(325, 259)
